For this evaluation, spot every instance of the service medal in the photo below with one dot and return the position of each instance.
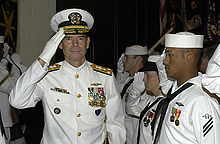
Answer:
(177, 122)
(96, 96)
(91, 98)
(172, 118)
(145, 122)
(177, 113)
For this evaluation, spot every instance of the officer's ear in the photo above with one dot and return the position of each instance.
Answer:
(87, 42)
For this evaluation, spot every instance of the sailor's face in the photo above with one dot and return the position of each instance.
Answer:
(174, 62)
(129, 63)
(151, 81)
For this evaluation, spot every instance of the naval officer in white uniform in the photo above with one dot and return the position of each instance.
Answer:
(76, 94)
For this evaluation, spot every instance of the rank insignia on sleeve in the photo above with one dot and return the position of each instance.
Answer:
(208, 125)
(102, 69)
(54, 67)
(175, 114)
(207, 116)
(60, 90)
(96, 96)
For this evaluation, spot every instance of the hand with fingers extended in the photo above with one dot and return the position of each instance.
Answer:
(120, 64)
(138, 83)
(51, 47)
(165, 83)
(6, 50)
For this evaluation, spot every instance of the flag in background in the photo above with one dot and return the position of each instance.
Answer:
(174, 15)
(184, 15)
(192, 16)
(163, 17)
(8, 21)
(218, 27)
(211, 29)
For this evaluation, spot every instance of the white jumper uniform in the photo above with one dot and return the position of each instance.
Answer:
(192, 117)
(135, 108)
(75, 101)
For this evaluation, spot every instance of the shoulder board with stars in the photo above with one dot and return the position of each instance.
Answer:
(54, 67)
(102, 69)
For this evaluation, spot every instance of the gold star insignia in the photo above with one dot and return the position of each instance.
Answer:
(7, 25)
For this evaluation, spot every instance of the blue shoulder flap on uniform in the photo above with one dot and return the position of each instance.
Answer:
(54, 67)
(102, 69)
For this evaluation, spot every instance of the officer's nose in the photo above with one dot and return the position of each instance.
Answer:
(75, 42)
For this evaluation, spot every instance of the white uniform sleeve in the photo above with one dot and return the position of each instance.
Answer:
(121, 78)
(137, 102)
(211, 80)
(132, 101)
(206, 121)
(10, 82)
(115, 115)
(27, 91)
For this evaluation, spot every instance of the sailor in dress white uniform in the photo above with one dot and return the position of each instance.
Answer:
(192, 116)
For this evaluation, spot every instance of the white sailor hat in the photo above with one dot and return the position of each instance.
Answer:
(73, 21)
(1, 39)
(136, 50)
(184, 40)
(153, 58)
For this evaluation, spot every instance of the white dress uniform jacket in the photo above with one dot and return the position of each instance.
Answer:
(196, 117)
(135, 108)
(75, 101)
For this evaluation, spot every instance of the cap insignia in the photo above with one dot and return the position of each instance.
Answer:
(75, 18)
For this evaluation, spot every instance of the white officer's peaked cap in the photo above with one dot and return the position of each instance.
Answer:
(73, 21)
(1, 39)
(136, 50)
(184, 40)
